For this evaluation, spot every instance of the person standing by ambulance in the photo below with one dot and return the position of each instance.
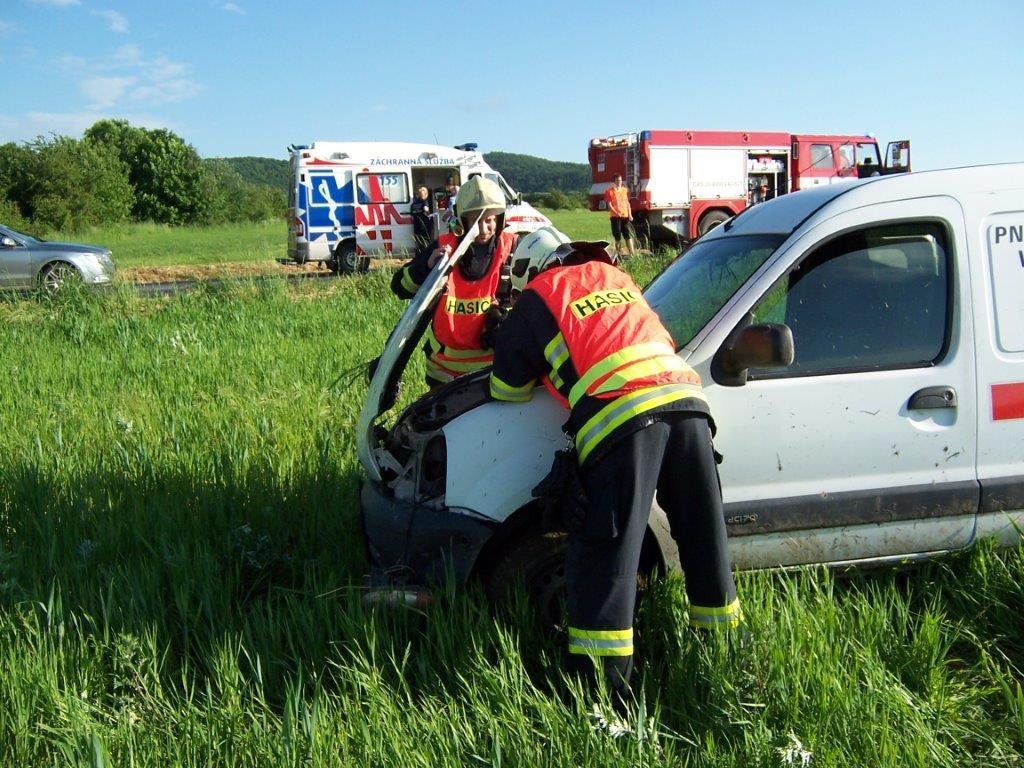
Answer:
(641, 425)
(421, 209)
(478, 290)
(616, 199)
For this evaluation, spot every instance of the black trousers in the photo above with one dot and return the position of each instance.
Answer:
(673, 457)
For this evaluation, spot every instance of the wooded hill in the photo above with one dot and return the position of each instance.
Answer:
(525, 173)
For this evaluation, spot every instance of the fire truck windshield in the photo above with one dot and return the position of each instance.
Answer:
(699, 283)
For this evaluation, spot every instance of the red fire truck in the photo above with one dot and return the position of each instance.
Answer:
(683, 183)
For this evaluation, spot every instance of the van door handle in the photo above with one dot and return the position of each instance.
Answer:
(932, 397)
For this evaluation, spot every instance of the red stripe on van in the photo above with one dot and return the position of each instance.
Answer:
(1008, 401)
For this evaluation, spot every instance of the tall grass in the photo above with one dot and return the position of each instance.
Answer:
(181, 555)
(158, 245)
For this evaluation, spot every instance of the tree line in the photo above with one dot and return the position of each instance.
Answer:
(118, 172)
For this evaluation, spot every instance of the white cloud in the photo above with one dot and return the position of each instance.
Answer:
(72, 63)
(104, 92)
(128, 76)
(116, 22)
(128, 53)
(70, 123)
(233, 8)
(57, 3)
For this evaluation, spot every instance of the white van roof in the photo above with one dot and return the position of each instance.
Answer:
(391, 153)
(784, 214)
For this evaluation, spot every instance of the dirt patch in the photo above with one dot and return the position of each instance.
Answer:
(235, 269)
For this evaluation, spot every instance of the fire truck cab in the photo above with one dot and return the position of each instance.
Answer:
(684, 183)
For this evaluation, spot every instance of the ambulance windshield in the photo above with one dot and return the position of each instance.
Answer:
(699, 283)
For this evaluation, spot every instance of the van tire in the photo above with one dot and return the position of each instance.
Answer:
(344, 260)
(710, 220)
(537, 560)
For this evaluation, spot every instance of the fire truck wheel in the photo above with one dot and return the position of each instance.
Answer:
(710, 220)
(344, 261)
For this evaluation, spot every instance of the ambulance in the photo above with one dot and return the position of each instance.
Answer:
(862, 348)
(350, 200)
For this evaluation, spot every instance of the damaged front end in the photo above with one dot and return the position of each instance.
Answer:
(413, 537)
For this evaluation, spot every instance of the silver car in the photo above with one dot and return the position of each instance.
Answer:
(27, 262)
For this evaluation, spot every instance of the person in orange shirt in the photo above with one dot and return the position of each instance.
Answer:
(616, 199)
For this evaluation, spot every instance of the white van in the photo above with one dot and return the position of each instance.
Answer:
(896, 432)
(349, 200)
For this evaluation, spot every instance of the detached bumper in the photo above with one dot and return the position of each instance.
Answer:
(414, 544)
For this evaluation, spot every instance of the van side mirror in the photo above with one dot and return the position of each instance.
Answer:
(8, 242)
(765, 345)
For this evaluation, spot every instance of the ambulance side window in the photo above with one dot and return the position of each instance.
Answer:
(382, 188)
(871, 299)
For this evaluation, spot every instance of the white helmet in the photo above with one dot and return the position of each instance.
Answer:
(533, 254)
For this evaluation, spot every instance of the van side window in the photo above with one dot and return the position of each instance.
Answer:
(821, 156)
(871, 299)
(382, 188)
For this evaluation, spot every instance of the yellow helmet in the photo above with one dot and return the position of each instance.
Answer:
(480, 197)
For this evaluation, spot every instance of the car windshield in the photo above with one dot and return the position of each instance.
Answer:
(21, 235)
(699, 283)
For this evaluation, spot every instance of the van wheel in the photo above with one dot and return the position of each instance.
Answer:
(344, 261)
(711, 220)
(538, 560)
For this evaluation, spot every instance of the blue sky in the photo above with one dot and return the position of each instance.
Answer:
(249, 77)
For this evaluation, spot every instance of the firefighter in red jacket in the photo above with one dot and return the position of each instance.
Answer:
(479, 288)
(641, 426)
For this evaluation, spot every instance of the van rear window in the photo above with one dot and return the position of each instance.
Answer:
(382, 188)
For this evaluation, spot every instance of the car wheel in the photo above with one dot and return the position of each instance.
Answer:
(58, 275)
(538, 561)
(711, 220)
(345, 261)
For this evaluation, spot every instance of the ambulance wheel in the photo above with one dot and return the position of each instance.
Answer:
(345, 261)
(711, 220)
(537, 560)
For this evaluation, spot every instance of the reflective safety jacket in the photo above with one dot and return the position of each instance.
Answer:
(588, 333)
(453, 342)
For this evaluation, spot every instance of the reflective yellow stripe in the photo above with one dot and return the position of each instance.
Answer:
(432, 342)
(556, 380)
(407, 282)
(502, 391)
(633, 354)
(437, 373)
(602, 634)
(716, 618)
(613, 415)
(613, 642)
(463, 366)
(556, 352)
(650, 367)
(462, 354)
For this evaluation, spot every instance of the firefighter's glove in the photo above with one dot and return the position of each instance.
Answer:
(563, 500)
(492, 319)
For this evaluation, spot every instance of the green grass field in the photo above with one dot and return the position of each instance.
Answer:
(156, 245)
(180, 561)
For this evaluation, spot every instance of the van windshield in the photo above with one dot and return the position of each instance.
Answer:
(699, 283)
(497, 179)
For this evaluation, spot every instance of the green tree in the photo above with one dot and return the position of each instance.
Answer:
(76, 184)
(16, 161)
(167, 174)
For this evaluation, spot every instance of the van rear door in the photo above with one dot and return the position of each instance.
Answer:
(380, 227)
(866, 446)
